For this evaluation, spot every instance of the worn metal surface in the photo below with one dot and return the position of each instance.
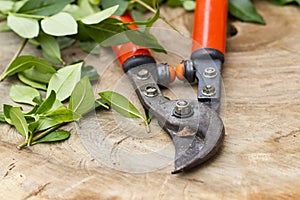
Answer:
(201, 131)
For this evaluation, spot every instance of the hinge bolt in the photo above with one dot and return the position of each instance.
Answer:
(183, 108)
(151, 91)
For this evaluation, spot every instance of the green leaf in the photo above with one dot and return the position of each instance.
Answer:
(24, 27)
(106, 29)
(4, 28)
(6, 110)
(95, 2)
(87, 8)
(44, 123)
(283, 2)
(123, 4)
(31, 83)
(65, 42)
(138, 17)
(45, 7)
(82, 9)
(189, 5)
(50, 48)
(149, 116)
(32, 126)
(2, 17)
(144, 39)
(39, 73)
(19, 121)
(63, 115)
(22, 63)
(120, 104)
(74, 10)
(60, 24)
(244, 10)
(90, 72)
(6, 5)
(38, 100)
(90, 47)
(55, 136)
(47, 104)
(2, 117)
(57, 104)
(100, 16)
(82, 98)
(174, 3)
(34, 42)
(64, 81)
(23, 94)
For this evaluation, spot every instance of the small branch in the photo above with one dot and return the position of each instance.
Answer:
(161, 17)
(41, 135)
(28, 15)
(17, 54)
(19, 51)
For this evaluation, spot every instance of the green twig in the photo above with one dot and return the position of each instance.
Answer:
(161, 17)
(147, 125)
(28, 16)
(17, 54)
(19, 51)
(102, 104)
(41, 135)
(29, 139)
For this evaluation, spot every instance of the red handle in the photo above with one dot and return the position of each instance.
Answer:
(210, 20)
(128, 50)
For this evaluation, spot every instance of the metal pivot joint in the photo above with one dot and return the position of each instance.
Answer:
(183, 109)
(196, 131)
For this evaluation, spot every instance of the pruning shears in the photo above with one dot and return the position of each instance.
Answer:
(194, 126)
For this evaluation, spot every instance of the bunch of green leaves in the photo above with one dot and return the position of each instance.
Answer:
(54, 25)
(69, 85)
(41, 123)
(241, 9)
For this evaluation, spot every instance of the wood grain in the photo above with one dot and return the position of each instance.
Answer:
(260, 158)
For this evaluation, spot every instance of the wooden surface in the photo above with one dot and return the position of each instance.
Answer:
(260, 158)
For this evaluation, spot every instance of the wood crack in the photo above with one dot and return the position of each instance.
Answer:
(36, 192)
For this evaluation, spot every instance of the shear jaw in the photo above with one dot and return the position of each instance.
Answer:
(196, 130)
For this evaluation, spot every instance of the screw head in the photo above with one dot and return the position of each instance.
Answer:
(210, 72)
(183, 108)
(143, 74)
(151, 91)
(208, 90)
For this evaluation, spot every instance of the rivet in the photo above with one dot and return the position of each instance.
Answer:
(182, 107)
(208, 90)
(143, 74)
(150, 91)
(210, 72)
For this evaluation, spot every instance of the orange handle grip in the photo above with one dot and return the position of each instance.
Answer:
(210, 21)
(128, 50)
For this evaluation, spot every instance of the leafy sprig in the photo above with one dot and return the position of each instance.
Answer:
(72, 82)
(44, 22)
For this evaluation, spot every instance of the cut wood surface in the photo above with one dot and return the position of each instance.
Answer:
(112, 157)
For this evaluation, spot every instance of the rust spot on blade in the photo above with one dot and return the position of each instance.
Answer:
(185, 132)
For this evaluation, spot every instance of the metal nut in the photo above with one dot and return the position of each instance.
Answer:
(210, 72)
(182, 108)
(208, 90)
(151, 91)
(143, 74)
